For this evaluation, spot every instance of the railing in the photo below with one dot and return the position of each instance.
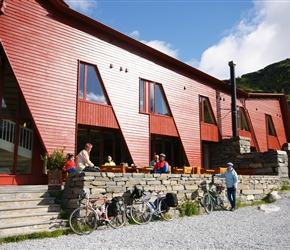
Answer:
(7, 133)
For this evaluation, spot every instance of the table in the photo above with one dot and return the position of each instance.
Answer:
(145, 170)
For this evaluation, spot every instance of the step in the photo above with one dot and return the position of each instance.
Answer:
(22, 195)
(36, 217)
(12, 203)
(29, 210)
(27, 228)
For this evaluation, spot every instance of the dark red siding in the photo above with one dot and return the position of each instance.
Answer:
(44, 45)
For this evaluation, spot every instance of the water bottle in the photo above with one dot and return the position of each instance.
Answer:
(217, 200)
(103, 210)
(153, 206)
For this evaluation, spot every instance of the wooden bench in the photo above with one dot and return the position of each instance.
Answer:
(182, 170)
(114, 169)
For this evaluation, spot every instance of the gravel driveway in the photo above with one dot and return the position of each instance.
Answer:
(246, 228)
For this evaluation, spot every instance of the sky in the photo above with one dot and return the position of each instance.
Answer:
(206, 34)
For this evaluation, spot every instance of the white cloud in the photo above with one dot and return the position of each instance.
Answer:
(84, 6)
(256, 42)
(162, 46)
(134, 34)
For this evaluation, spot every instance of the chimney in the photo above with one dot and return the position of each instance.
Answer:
(234, 99)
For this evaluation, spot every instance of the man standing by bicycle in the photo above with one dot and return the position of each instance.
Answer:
(231, 182)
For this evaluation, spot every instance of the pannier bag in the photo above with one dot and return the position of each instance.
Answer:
(117, 206)
(171, 200)
(136, 193)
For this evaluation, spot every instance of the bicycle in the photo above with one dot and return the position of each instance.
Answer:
(85, 219)
(142, 209)
(214, 195)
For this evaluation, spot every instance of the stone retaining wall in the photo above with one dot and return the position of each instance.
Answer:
(238, 151)
(118, 184)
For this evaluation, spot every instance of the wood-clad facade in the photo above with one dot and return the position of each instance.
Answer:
(149, 103)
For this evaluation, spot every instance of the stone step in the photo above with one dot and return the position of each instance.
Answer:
(29, 209)
(27, 228)
(22, 195)
(15, 203)
(16, 219)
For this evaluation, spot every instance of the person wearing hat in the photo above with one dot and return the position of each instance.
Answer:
(83, 160)
(231, 182)
(161, 166)
(70, 165)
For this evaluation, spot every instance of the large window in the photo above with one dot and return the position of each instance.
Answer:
(152, 98)
(16, 129)
(90, 85)
(206, 114)
(171, 147)
(270, 126)
(105, 142)
(242, 121)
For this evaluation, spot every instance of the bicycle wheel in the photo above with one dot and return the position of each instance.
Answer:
(207, 203)
(83, 220)
(224, 201)
(117, 219)
(166, 212)
(140, 212)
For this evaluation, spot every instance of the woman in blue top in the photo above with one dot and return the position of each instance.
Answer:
(232, 183)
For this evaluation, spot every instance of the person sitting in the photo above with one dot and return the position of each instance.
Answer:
(110, 161)
(161, 166)
(83, 160)
(153, 162)
(70, 165)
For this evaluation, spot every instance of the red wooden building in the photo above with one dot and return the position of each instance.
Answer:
(66, 79)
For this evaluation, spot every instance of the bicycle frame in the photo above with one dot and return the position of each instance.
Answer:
(86, 218)
(213, 198)
(142, 211)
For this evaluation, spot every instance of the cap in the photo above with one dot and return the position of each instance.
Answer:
(69, 156)
(230, 164)
(89, 145)
(162, 155)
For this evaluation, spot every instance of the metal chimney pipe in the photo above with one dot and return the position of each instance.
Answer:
(234, 99)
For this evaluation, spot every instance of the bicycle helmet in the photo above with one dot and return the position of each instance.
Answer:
(230, 164)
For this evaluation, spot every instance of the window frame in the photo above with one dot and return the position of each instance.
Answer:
(147, 98)
(83, 80)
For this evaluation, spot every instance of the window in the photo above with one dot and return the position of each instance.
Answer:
(90, 86)
(242, 121)
(152, 98)
(270, 126)
(206, 114)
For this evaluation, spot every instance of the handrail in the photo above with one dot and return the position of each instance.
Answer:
(7, 133)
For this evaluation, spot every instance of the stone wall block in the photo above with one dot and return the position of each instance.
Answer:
(116, 189)
(177, 187)
(252, 191)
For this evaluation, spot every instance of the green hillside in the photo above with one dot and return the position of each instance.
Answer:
(274, 78)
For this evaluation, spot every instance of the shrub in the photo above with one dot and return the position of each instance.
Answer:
(188, 208)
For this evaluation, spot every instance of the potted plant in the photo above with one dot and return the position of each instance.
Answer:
(54, 163)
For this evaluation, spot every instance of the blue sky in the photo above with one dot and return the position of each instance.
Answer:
(205, 34)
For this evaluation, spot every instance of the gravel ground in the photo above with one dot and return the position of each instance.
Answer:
(246, 228)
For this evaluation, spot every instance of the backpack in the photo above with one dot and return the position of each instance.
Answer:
(171, 200)
(136, 193)
(117, 206)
